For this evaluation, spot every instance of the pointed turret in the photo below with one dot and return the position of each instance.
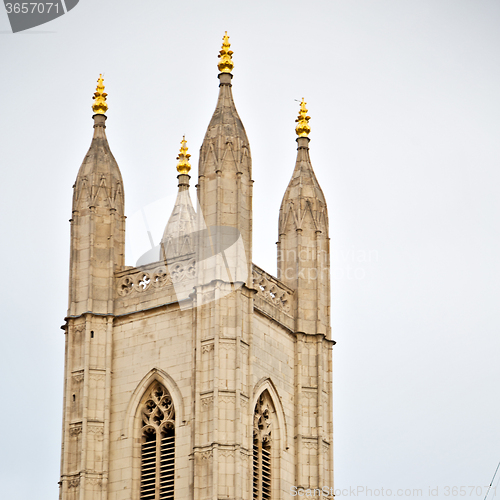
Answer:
(303, 244)
(225, 169)
(97, 251)
(98, 222)
(180, 230)
(99, 181)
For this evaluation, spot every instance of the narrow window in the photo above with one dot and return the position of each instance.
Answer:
(158, 445)
(262, 474)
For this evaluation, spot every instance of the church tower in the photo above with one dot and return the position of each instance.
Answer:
(197, 375)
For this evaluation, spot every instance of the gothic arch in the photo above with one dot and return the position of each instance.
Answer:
(133, 406)
(266, 384)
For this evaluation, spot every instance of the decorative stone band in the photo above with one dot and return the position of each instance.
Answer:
(163, 275)
(271, 290)
(268, 287)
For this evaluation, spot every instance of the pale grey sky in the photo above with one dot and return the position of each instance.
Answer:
(405, 104)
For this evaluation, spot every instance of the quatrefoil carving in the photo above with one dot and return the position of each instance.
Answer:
(161, 277)
(158, 410)
(126, 286)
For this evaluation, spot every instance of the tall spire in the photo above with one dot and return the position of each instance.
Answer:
(303, 243)
(98, 223)
(100, 105)
(225, 165)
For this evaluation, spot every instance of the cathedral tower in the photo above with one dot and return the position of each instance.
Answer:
(197, 375)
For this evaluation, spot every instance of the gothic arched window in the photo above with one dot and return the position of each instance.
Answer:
(262, 435)
(157, 445)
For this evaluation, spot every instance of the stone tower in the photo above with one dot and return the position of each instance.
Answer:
(197, 375)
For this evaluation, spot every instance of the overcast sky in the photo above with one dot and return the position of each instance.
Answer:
(405, 104)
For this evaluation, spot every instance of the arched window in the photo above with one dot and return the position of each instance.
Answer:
(157, 445)
(262, 435)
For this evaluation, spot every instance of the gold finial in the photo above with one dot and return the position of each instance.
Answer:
(100, 105)
(303, 128)
(226, 61)
(183, 167)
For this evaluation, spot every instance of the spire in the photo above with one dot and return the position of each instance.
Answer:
(303, 244)
(225, 146)
(98, 221)
(225, 55)
(225, 168)
(303, 128)
(178, 234)
(99, 181)
(100, 105)
(303, 191)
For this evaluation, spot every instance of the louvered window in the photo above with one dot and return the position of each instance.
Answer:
(262, 431)
(158, 445)
(167, 466)
(148, 467)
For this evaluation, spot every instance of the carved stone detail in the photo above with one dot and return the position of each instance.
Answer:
(125, 286)
(158, 410)
(206, 402)
(158, 277)
(309, 395)
(75, 431)
(98, 431)
(77, 329)
(271, 290)
(310, 445)
(74, 482)
(207, 348)
(262, 423)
